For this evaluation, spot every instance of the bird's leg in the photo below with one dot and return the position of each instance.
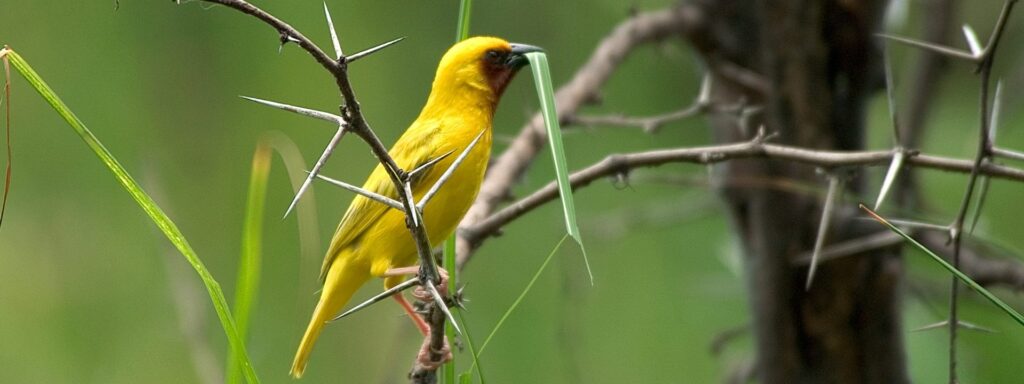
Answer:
(404, 271)
(419, 293)
(422, 294)
(416, 318)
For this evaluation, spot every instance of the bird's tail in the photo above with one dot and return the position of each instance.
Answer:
(340, 284)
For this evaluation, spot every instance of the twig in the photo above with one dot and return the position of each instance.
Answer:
(649, 124)
(985, 61)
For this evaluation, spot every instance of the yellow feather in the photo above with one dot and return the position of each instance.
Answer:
(372, 238)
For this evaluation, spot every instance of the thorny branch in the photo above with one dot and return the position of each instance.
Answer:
(984, 58)
(354, 121)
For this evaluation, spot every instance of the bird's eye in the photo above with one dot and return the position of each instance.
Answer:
(492, 55)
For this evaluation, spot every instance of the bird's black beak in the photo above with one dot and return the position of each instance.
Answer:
(517, 58)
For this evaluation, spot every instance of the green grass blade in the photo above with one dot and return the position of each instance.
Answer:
(467, 377)
(959, 275)
(247, 284)
(148, 205)
(511, 308)
(465, 8)
(522, 295)
(546, 94)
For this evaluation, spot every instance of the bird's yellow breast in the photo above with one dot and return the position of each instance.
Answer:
(386, 243)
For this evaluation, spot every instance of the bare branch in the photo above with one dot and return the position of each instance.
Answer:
(978, 260)
(621, 164)
(649, 124)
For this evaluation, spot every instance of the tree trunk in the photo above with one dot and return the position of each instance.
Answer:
(820, 62)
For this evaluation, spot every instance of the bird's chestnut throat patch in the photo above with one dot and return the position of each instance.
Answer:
(498, 76)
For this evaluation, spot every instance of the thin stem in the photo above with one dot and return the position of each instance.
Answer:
(984, 146)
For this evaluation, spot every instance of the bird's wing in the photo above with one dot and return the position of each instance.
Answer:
(414, 148)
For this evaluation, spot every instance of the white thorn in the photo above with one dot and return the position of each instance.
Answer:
(337, 120)
(834, 185)
(334, 34)
(972, 40)
(368, 194)
(316, 168)
(448, 172)
(890, 176)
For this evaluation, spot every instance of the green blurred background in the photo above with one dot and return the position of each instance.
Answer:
(91, 292)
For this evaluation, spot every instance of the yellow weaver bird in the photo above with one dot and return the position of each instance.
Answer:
(372, 239)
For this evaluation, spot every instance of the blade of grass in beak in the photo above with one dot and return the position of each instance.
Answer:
(959, 275)
(147, 204)
(465, 8)
(546, 94)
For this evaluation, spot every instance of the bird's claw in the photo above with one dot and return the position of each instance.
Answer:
(423, 357)
(421, 293)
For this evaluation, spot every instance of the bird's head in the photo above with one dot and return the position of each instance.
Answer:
(481, 64)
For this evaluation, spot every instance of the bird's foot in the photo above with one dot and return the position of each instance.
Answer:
(423, 358)
(421, 293)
